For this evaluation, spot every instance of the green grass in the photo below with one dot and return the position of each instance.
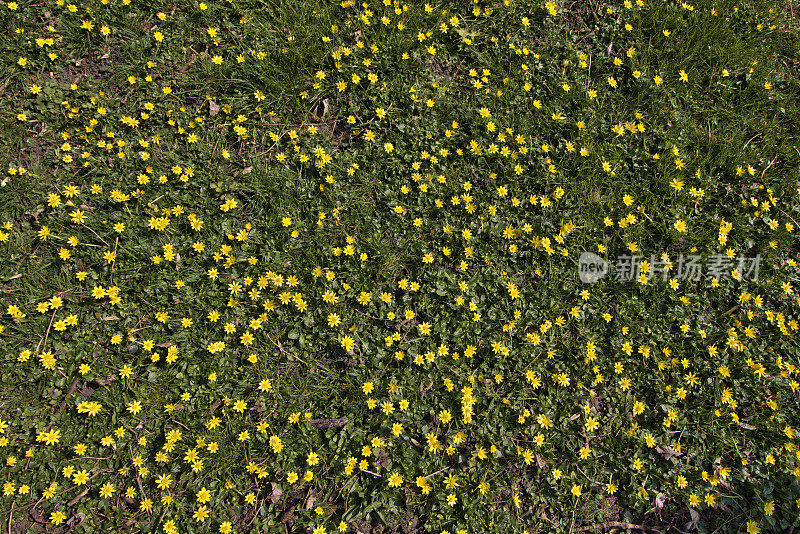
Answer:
(255, 129)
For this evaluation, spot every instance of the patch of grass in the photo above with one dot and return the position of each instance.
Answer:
(311, 266)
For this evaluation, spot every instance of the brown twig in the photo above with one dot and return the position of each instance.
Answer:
(116, 242)
(70, 391)
(730, 311)
(78, 497)
(181, 424)
(278, 344)
(437, 472)
(16, 337)
(608, 525)
(46, 333)
(95, 233)
(748, 142)
(327, 423)
(771, 163)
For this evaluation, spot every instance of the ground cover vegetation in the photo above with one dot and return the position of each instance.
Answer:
(312, 266)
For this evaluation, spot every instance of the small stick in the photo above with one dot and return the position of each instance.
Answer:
(46, 333)
(437, 472)
(613, 524)
(768, 166)
(77, 497)
(748, 142)
(95, 233)
(181, 424)
(116, 242)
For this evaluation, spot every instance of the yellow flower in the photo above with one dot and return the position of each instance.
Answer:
(78, 216)
(591, 424)
(769, 508)
(47, 359)
(201, 514)
(203, 496)
(50, 438)
(164, 481)
(81, 477)
(395, 480)
(348, 343)
(107, 490)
